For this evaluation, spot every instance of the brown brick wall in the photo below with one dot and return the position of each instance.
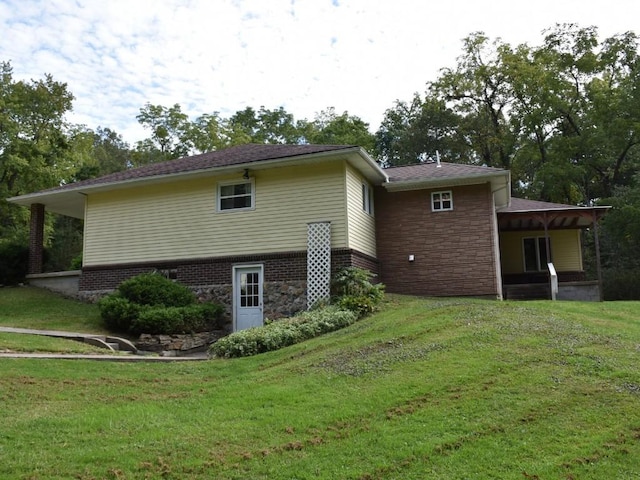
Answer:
(454, 250)
(281, 267)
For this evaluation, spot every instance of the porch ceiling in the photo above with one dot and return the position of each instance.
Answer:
(554, 218)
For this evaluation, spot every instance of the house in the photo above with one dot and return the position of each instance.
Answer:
(260, 228)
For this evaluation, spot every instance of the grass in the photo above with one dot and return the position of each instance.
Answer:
(427, 388)
(26, 307)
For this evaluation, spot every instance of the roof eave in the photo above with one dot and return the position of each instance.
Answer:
(454, 180)
(356, 155)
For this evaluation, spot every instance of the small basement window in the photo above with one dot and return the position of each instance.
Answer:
(236, 196)
(441, 201)
(367, 198)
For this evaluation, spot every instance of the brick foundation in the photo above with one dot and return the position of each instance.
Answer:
(453, 250)
(285, 277)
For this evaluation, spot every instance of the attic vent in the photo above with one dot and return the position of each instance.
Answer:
(318, 262)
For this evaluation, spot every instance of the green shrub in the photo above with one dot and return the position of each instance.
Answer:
(621, 284)
(14, 261)
(176, 320)
(76, 262)
(353, 290)
(155, 289)
(150, 303)
(118, 313)
(283, 333)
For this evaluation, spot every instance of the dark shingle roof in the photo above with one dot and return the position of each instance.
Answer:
(239, 155)
(433, 171)
(524, 205)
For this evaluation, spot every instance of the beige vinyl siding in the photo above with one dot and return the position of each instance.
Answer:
(179, 220)
(565, 248)
(361, 230)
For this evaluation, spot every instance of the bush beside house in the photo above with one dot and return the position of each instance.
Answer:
(150, 303)
(353, 296)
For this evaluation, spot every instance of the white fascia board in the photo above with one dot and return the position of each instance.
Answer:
(424, 183)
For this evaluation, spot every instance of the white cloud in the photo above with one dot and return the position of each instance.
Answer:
(304, 55)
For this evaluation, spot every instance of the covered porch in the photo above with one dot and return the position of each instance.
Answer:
(534, 235)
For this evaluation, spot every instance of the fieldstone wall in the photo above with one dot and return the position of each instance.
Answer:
(284, 299)
(178, 343)
(280, 299)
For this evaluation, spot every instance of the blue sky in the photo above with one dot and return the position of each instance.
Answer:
(304, 55)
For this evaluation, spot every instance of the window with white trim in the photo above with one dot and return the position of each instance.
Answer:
(367, 198)
(441, 201)
(236, 196)
(535, 254)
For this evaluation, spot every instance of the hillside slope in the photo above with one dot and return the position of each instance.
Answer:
(427, 388)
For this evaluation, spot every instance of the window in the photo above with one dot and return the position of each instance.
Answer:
(535, 254)
(367, 198)
(236, 196)
(249, 290)
(441, 201)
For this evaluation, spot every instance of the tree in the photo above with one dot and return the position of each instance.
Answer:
(34, 151)
(170, 134)
(264, 126)
(412, 132)
(478, 91)
(329, 128)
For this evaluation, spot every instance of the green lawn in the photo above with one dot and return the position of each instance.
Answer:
(427, 388)
(28, 307)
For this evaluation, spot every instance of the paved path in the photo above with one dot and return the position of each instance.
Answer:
(99, 340)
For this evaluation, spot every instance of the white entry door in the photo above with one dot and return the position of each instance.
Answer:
(247, 297)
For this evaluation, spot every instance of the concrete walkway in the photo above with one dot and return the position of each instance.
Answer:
(127, 352)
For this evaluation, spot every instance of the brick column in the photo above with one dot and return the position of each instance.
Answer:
(36, 238)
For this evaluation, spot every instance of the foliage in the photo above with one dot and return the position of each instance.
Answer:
(329, 128)
(169, 139)
(352, 289)
(176, 320)
(283, 333)
(151, 303)
(155, 289)
(13, 263)
(76, 262)
(118, 313)
(621, 284)
(563, 116)
(34, 151)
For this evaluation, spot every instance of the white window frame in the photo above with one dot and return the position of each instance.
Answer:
(437, 201)
(219, 197)
(367, 198)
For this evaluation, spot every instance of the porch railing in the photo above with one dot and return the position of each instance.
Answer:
(553, 281)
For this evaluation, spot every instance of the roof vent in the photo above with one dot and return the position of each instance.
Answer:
(438, 159)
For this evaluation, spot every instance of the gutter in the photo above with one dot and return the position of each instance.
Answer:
(255, 165)
(416, 184)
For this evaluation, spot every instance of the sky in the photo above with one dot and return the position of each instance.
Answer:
(358, 56)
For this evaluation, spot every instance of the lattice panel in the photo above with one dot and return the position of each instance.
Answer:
(318, 262)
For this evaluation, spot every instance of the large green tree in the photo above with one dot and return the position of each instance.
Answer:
(329, 128)
(563, 116)
(34, 149)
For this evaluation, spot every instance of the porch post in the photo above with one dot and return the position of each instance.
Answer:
(36, 238)
(596, 241)
(546, 238)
